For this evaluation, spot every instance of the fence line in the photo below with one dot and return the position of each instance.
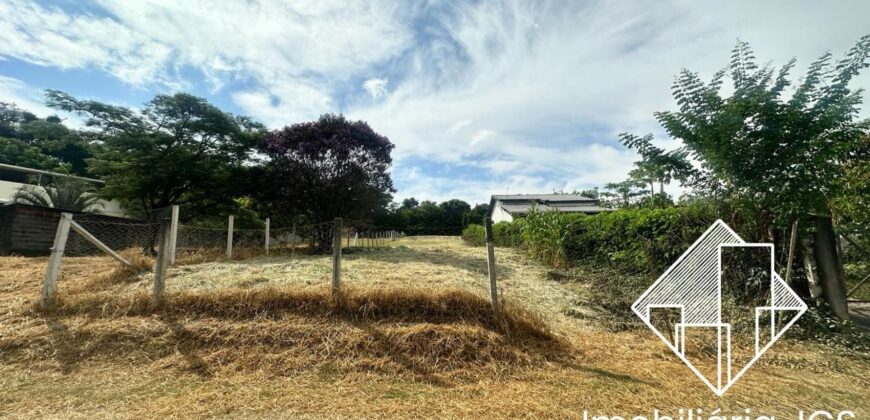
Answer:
(173, 242)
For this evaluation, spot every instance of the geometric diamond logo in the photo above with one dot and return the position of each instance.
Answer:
(720, 306)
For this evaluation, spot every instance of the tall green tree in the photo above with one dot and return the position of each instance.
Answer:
(622, 194)
(778, 152)
(476, 214)
(656, 164)
(177, 149)
(454, 212)
(41, 143)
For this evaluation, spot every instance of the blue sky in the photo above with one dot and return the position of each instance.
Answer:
(479, 97)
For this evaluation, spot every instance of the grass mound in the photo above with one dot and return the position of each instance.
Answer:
(429, 335)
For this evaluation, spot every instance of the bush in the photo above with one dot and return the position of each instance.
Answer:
(503, 234)
(636, 240)
(474, 235)
(508, 233)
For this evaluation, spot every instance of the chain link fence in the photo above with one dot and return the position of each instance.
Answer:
(168, 238)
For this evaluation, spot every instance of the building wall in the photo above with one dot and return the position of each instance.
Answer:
(30, 230)
(8, 189)
(500, 215)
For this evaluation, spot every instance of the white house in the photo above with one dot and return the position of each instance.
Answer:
(505, 208)
(14, 177)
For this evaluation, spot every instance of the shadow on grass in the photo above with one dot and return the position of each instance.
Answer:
(65, 349)
(603, 373)
(187, 344)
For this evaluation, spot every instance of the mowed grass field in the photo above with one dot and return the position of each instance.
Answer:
(412, 337)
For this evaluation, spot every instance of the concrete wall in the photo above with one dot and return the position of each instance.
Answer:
(8, 189)
(500, 215)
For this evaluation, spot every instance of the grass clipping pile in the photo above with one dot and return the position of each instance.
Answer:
(434, 336)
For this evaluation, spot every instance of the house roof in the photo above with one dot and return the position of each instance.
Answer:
(31, 171)
(523, 203)
(543, 197)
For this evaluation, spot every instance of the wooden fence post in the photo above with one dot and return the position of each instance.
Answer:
(165, 245)
(230, 239)
(173, 238)
(490, 265)
(54, 261)
(267, 236)
(336, 257)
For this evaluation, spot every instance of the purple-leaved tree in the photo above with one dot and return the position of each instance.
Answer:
(319, 170)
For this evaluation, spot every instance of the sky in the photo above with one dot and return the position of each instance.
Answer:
(479, 97)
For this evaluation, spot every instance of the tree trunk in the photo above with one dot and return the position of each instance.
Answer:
(812, 275)
(829, 267)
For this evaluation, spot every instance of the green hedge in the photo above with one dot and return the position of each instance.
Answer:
(637, 240)
(474, 235)
(503, 234)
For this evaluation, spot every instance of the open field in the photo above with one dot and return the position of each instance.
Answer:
(414, 337)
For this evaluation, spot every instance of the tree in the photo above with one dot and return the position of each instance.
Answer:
(657, 165)
(325, 169)
(781, 156)
(591, 193)
(476, 215)
(622, 194)
(40, 143)
(16, 152)
(410, 203)
(62, 192)
(426, 219)
(178, 149)
(454, 212)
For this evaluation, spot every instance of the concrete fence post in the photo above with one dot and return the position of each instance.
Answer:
(267, 236)
(336, 257)
(173, 239)
(490, 264)
(54, 261)
(230, 239)
(164, 246)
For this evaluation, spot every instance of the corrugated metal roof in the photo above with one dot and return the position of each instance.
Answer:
(568, 203)
(542, 197)
(525, 208)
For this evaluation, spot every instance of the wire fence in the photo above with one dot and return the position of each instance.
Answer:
(167, 241)
(120, 236)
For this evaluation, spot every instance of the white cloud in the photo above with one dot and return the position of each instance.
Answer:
(559, 82)
(531, 93)
(285, 103)
(377, 88)
(480, 135)
(17, 92)
(30, 98)
(270, 42)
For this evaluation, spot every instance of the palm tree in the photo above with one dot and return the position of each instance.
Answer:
(62, 192)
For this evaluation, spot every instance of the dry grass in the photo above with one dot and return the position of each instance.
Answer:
(413, 337)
